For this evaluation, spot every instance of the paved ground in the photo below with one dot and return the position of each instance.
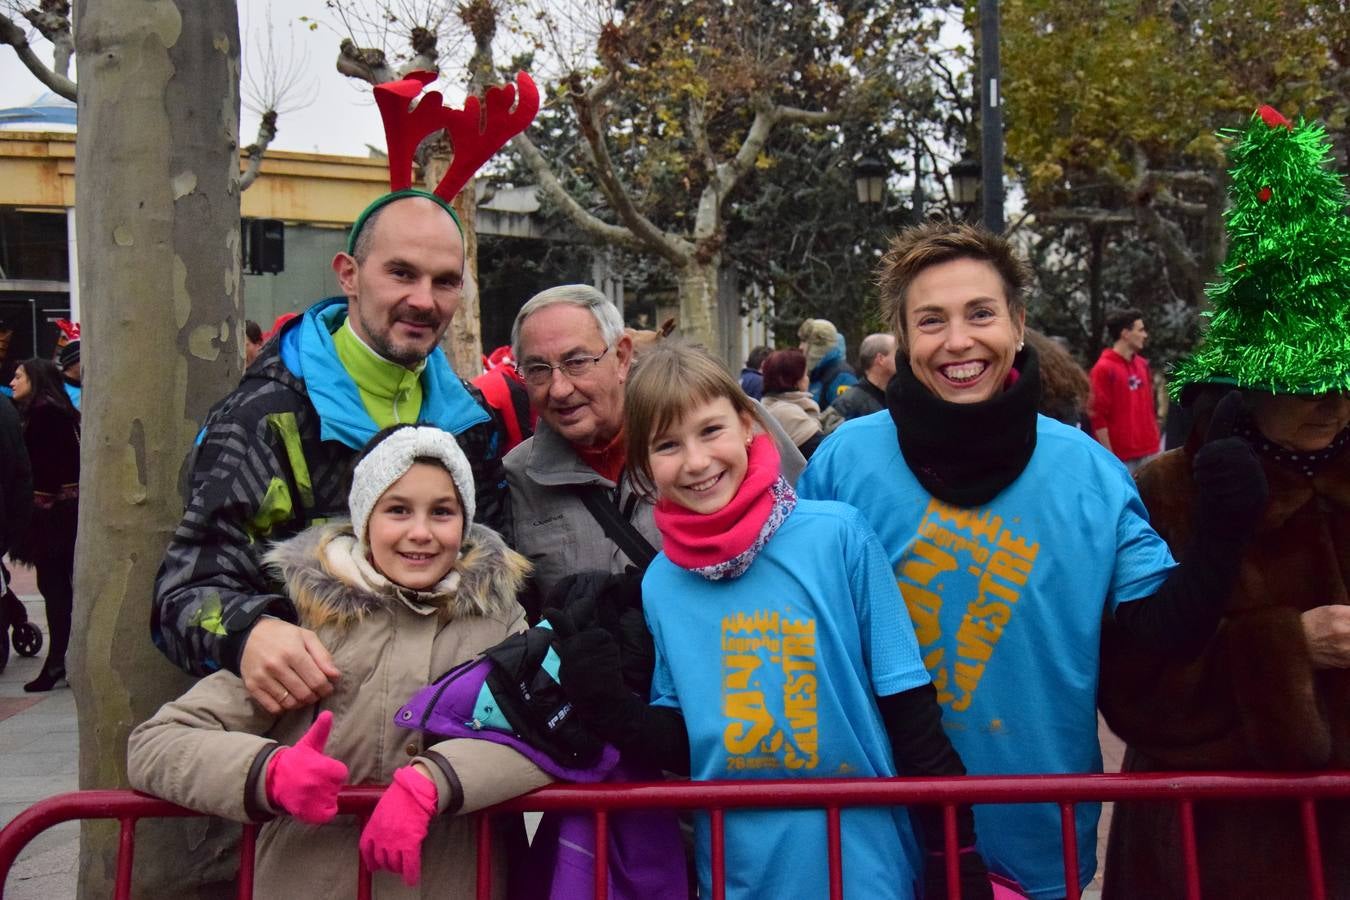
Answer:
(38, 758)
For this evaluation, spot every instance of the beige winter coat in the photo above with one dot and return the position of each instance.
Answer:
(797, 412)
(208, 750)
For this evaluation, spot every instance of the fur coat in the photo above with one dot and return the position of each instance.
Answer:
(209, 749)
(1251, 699)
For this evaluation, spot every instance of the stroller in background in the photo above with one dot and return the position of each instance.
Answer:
(26, 637)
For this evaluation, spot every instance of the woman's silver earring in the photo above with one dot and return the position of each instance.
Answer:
(1019, 346)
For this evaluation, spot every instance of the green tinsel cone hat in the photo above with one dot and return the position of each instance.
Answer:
(1281, 317)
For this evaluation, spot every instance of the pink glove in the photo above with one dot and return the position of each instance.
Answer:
(392, 839)
(302, 780)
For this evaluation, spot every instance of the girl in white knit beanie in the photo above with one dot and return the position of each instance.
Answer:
(405, 591)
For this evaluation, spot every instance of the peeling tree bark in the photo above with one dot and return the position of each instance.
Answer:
(157, 208)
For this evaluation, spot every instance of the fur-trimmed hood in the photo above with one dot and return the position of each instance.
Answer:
(330, 580)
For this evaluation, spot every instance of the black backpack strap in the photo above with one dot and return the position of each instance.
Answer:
(636, 547)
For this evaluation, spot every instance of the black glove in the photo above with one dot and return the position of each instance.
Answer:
(591, 674)
(590, 671)
(971, 870)
(1230, 485)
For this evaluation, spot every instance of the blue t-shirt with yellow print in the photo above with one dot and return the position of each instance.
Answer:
(1007, 602)
(776, 673)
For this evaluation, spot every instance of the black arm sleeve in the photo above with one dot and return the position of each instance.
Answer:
(1182, 616)
(913, 721)
(808, 446)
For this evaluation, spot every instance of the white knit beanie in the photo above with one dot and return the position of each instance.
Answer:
(392, 457)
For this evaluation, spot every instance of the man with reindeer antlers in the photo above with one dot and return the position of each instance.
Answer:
(276, 454)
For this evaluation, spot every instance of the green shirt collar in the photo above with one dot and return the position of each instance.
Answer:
(390, 393)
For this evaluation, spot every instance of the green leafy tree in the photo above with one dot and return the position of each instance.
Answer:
(1112, 111)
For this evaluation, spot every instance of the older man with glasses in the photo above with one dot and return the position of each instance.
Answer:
(573, 507)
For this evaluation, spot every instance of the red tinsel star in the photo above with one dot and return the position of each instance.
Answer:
(1271, 116)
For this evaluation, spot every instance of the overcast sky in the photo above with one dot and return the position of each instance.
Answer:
(342, 118)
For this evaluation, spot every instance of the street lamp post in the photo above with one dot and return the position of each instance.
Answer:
(965, 186)
(991, 118)
(869, 178)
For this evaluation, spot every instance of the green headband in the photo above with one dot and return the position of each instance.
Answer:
(383, 201)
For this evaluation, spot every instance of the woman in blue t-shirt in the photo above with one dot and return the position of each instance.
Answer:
(1011, 535)
(782, 649)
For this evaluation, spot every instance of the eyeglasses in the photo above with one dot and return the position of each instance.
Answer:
(540, 374)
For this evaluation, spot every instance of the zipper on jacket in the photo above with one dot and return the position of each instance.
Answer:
(444, 682)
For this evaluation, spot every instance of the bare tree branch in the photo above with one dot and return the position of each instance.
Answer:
(766, 118)
(12, 34)
(367, 64)
(274, 82)
(267, 130)
(589, 105)
(1083, 215)
(1165, 233)
(698, 132)
(1191, 178)
(52, 20)
(593, 226)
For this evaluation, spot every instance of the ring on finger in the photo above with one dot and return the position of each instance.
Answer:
(284, 695)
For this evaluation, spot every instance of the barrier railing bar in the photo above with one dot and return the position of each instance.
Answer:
(1068, 830)
(819, 792)
(248, 861)
(951, 852)
(1190, 855)
(484, 827)
(601, 855)
(717, 836)
(1317, 888)
(835, 857)
(717, 797)
(126, 852)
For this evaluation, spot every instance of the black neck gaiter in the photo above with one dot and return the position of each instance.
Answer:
(965, 453)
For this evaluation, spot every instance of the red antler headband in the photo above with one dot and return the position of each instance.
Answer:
(474, 135)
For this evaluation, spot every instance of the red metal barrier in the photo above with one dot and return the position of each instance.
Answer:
(831, 795)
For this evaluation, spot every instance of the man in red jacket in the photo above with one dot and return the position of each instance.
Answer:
(1123, 415)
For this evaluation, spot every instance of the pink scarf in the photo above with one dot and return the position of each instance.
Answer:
(695, 541)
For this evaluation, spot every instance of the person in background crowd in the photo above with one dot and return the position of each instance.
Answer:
(504, 391)
(1124, 418)
(830, 374)
(788, 401)
(51, 434)
(574, 507)
(277, 324)
(1011, 535)
(276, 454)
(1270, 690)
(1065, 390)
(876, 358)
(752, 379)
(409, 588)
(16, 505)
(253, 341)
(72, 372)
